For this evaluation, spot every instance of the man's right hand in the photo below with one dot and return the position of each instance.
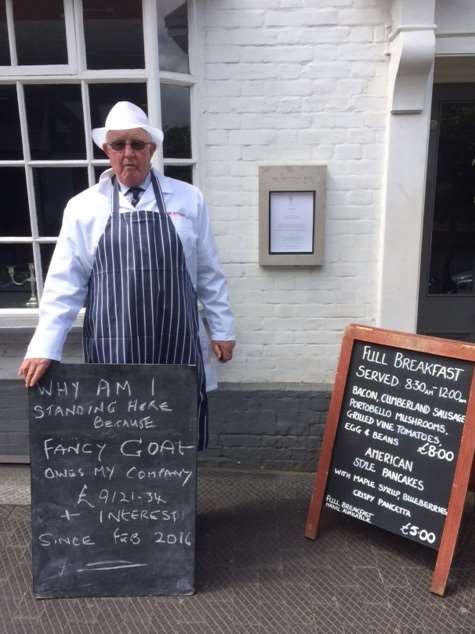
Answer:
(33, 369)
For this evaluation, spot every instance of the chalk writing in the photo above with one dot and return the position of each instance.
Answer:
(402, 415)
(113, 480)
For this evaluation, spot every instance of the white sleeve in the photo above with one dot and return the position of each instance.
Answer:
(64, 291)
(211, 283)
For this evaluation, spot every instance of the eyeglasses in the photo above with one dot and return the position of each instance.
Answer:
(136, 145)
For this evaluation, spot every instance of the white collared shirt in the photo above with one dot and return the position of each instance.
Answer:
(144, 185)
(84, 222)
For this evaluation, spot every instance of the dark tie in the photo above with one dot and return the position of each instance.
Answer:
(135, 193)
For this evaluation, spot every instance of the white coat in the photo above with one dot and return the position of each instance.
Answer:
(84, 221)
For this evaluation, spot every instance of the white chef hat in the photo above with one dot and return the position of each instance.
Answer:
(125, 115)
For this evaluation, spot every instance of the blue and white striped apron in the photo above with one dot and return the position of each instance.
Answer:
(141, 305)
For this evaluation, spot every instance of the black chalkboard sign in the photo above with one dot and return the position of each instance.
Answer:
(113, 480)
(400, 438)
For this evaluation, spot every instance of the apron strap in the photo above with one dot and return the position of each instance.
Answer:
(158, 193)
(115, 195)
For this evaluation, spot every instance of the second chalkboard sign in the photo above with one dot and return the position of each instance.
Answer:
(400, 438)
(400, 424)
(113, 480)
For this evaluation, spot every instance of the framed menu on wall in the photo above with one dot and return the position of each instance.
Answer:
(291, 222)
(291, 214)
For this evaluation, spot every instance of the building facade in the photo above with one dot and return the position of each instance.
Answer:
(380, 92)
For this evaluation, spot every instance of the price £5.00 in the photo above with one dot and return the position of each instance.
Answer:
(415, 531)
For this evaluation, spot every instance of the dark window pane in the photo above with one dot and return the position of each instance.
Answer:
(176, 121)
(98, 171)
(452, 266)
(104, 96)
(55, 121)
(54, 186)
(4, 50)
(10, 147)
(181, 172)
(40, 32)
(173, 36)
(46, 251)
(17, 278)
(113, 33)
(14, 219)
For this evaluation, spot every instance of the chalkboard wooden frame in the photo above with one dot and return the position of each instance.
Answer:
(464, 460)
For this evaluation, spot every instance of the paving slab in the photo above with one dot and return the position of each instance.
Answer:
(255, 571)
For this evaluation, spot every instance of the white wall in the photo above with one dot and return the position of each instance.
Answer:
(455, 21)
(455, 16)
(295, 80)
(412, 47)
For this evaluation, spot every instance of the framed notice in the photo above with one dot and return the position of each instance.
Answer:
(291, 214)
(400, 438)
(291, 222)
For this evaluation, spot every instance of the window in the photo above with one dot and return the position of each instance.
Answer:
(40, 32)
(113, 33)
(63, 64)
(35, 36)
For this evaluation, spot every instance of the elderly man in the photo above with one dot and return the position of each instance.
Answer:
(137, 250)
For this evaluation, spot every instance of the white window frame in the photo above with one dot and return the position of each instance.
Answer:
(18, 70)
(77, 73)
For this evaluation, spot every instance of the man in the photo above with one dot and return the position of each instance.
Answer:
(137, 250)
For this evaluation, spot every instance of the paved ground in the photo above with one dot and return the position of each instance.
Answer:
(256, 573)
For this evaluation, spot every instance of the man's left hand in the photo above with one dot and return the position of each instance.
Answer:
(223, 350)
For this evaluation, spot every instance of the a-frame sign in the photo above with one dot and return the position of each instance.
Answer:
(399, 440)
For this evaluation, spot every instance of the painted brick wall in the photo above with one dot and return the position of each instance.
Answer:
(267, 426)
(290, 81)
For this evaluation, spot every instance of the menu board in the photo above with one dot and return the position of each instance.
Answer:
(398, 438)
(113, 480)
(399, 443)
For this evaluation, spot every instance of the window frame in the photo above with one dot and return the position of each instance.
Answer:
(20, 70)
(77, 73)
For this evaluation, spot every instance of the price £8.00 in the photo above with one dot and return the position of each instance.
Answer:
(421, 533)
(435, 452)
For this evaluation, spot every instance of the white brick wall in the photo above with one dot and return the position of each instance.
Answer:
(295, 80)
